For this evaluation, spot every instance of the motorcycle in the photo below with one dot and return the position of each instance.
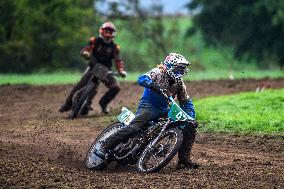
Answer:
(150, 149)
(82, 96)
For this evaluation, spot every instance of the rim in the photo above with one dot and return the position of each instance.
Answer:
(155, 155)
(92, 159)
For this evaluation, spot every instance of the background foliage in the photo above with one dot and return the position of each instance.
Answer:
(254, 27)
(43, 36)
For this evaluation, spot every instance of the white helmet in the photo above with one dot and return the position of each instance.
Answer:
(176, 65)
(107, 31)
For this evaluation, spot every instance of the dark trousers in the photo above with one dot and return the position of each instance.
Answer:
(109, 82)
(189, 134)
(145, 113)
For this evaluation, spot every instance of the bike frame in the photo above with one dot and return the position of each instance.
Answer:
(175, 114)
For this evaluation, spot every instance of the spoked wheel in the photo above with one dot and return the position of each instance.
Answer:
(77, 95)
(79, 101)
(154, 158)
(93, 160)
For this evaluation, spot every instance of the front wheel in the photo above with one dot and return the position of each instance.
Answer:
(93, 161)
(155, 157)
(79, 101)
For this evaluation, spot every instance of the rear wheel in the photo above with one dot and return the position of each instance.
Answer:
(155, 157)
(94, 161)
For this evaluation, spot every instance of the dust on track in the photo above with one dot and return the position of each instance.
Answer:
(40, 148)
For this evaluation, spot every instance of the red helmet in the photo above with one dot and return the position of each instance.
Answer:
(107, 31)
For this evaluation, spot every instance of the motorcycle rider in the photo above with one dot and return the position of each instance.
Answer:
(100, 52)
(166, 78)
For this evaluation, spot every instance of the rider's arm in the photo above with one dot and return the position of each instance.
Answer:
(145, 81)
(188, 107)
(118, 61)
(149, 78)
(184, 100)
(86, 52)
(148, 81)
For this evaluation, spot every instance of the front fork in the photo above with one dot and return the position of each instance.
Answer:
(153, 142)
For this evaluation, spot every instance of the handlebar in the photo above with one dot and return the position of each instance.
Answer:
(113, 73)
(171, 99)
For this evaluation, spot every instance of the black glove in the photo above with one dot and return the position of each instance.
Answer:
(86, 54)
(157, 89)
(122, 73)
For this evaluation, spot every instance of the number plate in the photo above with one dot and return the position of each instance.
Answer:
(126, 116)
(177, 114)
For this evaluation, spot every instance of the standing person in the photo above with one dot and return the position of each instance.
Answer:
(165, 79)
(101, 52)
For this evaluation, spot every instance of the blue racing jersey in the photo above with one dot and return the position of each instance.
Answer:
(160, 77)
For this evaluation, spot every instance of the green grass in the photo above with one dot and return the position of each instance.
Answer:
(223, 74)
(258, 113)
(69, 78)
(40, 78)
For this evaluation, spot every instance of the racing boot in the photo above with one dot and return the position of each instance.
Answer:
(105, 100)
(185, 149)
(72, 115)
(85, 110)
(187, 165)
(107, 146)
(65, 108)
(104, 108)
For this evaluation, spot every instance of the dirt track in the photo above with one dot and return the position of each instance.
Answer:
(40, 148)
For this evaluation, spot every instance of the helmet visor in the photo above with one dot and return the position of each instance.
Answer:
(179, 71)
(108, 32)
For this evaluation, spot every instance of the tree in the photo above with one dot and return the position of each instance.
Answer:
(253, 27)
(154, 33)
(43, 35)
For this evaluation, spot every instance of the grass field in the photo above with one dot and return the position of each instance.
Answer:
(69, 78)
(251, 112)
(247, 113)
(40, 78)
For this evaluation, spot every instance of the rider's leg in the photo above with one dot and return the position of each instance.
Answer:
(145, 113)
(114, 89)
(184, 152)
(91, 95)
(83, 81)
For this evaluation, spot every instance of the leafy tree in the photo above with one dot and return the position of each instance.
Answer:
(43, 35)
(254, 27)
(149, 29)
